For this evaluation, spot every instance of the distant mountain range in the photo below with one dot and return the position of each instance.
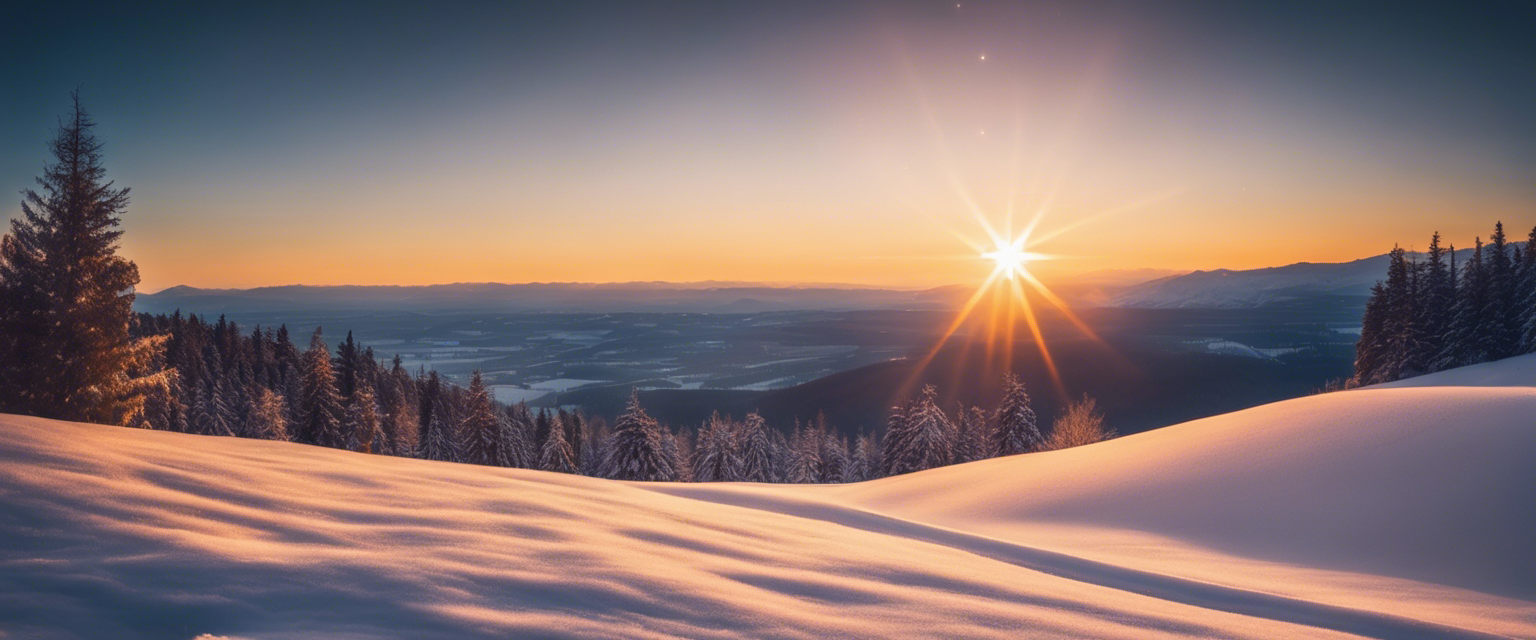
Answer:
(1349, 282)
(704, 297)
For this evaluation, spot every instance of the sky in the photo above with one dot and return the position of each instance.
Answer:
(845, 142)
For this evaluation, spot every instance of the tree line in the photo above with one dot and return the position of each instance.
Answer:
(1432, 315)
(212, 378)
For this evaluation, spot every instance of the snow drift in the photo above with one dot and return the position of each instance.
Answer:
(1381, 512)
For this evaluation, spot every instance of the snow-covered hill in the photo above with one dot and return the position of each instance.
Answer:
(1403, 512)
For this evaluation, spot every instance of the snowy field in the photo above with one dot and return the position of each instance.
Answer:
(1392, 513)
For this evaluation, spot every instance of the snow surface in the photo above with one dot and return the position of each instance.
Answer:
(1380, 512)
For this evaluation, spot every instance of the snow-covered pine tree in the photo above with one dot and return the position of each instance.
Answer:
(834, 459)
(576, 435)
(757, 451)
(1501, 318)
(898, 434)
(971, 443)
(440, 442)
(1404, 337)
(675, 448)
(1468, 341)
(1527, 295)
(858, 461)
(635, 451)
(716, 453)
(1437, 299)
(346, 364)
(929, 439)
(269, 419)
(1014, 428)
(804, 456)
(556, 454)
(479, 430)
(322, 411)
(364, 432)
(163, 409)
(1371, 349)
(222, 419)
(66, 297)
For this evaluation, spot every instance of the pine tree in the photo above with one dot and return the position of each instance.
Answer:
(66, 297)
(971, 444)
(1469, 342)
(1371, 349)
(1014, 429)
(576, 435)
(834, 459)
(440, 440)
(556, 454)
(716, 457)
(1404, 337)
(479, 430)
(269, 420)
(898, 433)
(1438, 300)
(927, 438)
(162, 408)
(365, 433)
(1501, 318)
(322, 410)
(636, 450)
(517, 438)
(1527, 295)
(859, 460)
(757, 451)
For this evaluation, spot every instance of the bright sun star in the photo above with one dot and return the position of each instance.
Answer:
(1011, 258)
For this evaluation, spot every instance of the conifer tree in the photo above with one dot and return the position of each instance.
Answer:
(1469, 341)
(716, 456)
(898, 433)
(517, 438)
(556, 454)
(576, 435)
(440, 440)
(1438, 300)
(364, 431)
(859, 460)
(1527, 295)
(1014, 430)
(757, 451)
(926, 438)
(480, 431)
(322, 410)
(834, 459)
(1501, 318)
(971, 444)
(1371, 349)
(635, 452)
(269, 420)
(66, 297)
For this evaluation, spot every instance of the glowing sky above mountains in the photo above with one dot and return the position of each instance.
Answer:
(805, 142)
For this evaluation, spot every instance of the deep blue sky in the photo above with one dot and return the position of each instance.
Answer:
(769, 141)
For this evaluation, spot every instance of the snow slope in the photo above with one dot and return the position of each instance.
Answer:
(1404, 512)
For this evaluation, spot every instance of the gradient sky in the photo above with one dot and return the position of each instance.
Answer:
(784, 142)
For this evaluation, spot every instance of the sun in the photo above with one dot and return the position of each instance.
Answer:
(1011, 258)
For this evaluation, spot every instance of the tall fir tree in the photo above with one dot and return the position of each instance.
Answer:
(480, 430)
(269, 420)
(716, 455)
(1371, 349)
(322, 412)
(364, 430)
(66, 297)
(556, 454)
(927, 437)
(1015, 429)
(635, 452)
(971, 444)
(758, 454)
